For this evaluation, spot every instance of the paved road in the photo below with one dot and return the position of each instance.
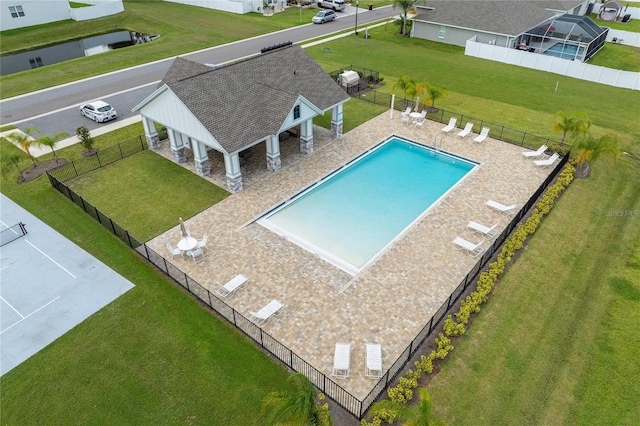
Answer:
(56, 109)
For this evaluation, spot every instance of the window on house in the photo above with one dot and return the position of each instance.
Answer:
(441, 31)
(36, 62)
(296, 112)
(16, 11)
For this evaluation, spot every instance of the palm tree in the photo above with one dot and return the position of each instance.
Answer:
(576, 125)
(590, 148)
(405, 5)
(297, 407)
(406, 84)
(52, 141)
(432, 92)
(24, 141)
(411, 415)
(9, 161)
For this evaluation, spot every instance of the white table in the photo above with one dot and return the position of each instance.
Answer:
(415, 115)
(187, 244)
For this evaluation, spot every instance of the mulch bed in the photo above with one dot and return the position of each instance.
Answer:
(36, 170)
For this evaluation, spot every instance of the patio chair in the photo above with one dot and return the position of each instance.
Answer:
(506, 210)
(548, 162)
(174, 251)
(420, 120)
(481, 229)
(373, 366)
(202, 244)
(535, 154)
(482, 136)
(452, 125)
(341, 360)
(466, 131)
(196, 254)
(473, 249)
(230, 288)
(262, 317)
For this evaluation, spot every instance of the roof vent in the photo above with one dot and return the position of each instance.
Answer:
(275, 46)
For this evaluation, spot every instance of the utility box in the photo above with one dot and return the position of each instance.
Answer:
(349, 78)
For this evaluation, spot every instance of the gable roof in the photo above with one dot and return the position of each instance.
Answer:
(246, 101)
(494, 16)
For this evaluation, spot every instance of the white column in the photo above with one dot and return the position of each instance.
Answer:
(177, 146)
(153, 141)
(336, 121)
(200, 158)
(273, 153)
(232, 168)
(306, 136)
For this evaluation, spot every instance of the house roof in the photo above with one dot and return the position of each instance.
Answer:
(494, 16)
(246, 101)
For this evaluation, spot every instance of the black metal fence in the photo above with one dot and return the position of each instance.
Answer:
(12, 233)
(102, 158)
(324, 383)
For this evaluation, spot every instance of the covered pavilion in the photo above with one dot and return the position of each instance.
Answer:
(234, 107)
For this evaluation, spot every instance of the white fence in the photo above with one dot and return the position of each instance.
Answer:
(99, 9)
(575, 69)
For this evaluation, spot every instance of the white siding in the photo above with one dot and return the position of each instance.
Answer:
(35, 12)
(168, 110)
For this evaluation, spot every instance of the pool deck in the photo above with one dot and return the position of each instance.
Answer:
(392, 299)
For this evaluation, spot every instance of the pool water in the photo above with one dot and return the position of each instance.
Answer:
(355, 212)
(569, 51)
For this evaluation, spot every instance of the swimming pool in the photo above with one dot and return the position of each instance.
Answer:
(352, 214)
(569, 51)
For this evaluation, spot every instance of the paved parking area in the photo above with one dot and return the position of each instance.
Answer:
(391, 300)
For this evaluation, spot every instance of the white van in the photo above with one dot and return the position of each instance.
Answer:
(332, 4)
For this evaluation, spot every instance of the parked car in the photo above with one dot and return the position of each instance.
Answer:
(336, 5)
(324, 16)
(99, 111)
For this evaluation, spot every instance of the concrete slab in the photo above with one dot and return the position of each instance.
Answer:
(48, 286)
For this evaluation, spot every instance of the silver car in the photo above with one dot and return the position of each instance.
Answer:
(99, 111)
(324, 16)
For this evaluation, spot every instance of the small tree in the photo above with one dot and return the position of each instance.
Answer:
(300, 406)
(9, 162)
(405, 5)
(85, 138)
(575, 126)
(24, 140)
(51, 142)
(406, 84)
(435, 92)
(410, 415)
(590, 148)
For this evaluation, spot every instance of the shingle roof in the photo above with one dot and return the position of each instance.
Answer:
(248, 100)
(496, 16)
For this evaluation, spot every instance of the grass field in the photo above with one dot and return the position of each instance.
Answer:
(555, 345)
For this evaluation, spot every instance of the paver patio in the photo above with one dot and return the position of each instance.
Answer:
(392, 299)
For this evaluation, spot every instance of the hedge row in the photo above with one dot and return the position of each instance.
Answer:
(403, 392)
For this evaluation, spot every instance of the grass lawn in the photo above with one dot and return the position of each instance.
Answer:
(153, 356)
(557, 342)
(517, 97)
(146, 193)
(182, 29)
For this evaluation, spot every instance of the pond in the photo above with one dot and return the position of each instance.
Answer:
(49, 55)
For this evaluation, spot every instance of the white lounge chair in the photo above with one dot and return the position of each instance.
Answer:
(506, 210)
(473, 249)
(482, 136)
(230, 288)
(262, 317)
(373, 368)
(341, 360)
(196, 254)
(174, 251)
(466, 131)
(484, 230)
(452, 125)
(535, 154)
(548, 162)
